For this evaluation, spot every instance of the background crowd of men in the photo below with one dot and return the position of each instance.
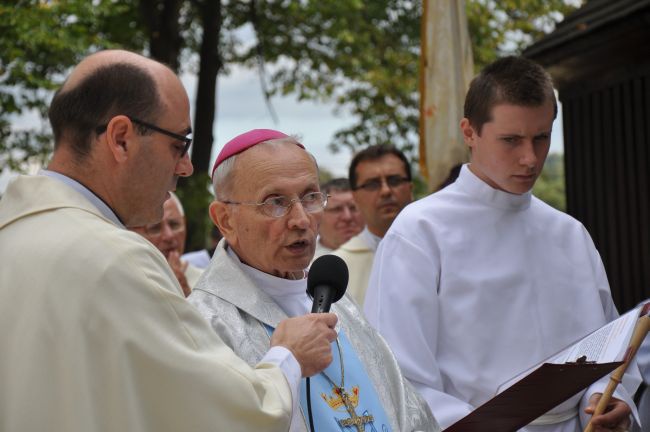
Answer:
(448, 296)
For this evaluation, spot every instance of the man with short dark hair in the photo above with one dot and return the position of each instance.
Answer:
(96, 334)
(341, 220)
(380, 177)
(487, 279)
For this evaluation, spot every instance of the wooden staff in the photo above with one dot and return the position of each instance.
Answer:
(640, 331)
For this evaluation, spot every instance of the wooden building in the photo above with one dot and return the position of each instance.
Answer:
(599, 58)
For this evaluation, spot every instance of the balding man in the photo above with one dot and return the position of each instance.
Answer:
(96, 334)
(342, 219)
(268, 206)
(168, 236)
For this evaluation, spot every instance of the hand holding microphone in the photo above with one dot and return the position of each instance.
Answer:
(309, 337)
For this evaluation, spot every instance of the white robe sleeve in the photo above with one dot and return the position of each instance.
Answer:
(402, 304)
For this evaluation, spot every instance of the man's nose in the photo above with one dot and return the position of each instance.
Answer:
(298, 216)
(346, 213)
(184, 166)
(166, 231)
(528, 157)
(385, 189)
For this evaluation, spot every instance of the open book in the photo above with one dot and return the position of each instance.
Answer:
(537, 390)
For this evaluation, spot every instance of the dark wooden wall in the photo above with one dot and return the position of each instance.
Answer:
(607, 161)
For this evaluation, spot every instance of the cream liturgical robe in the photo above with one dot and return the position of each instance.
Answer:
(96, 335)
(192, 274)
(472, 285)
(358, 254)
(242, 303)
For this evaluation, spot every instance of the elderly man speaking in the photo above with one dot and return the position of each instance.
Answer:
(268, 206)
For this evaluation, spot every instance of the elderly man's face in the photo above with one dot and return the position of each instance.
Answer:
(341, 221)
(169, 234)
(282, 246)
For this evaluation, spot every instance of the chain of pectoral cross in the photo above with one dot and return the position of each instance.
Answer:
(354, 419)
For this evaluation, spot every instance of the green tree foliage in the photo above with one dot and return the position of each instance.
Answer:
(505, 27)
(40, 41)
(361, 55)
(550, 184)
(364, 55)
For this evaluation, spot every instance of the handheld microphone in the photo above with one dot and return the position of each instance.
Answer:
(326, 282)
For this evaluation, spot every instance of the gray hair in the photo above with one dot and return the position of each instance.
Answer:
(223, 175)
(177, 201)
(221, 178)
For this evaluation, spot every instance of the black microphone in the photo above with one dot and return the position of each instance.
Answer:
(326, 282)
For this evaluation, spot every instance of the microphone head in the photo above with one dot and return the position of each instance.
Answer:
(328, 270)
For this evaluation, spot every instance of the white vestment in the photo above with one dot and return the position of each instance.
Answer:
(358, 253)
(472, 285)
(241, 303)
(199, 259)
(192, 274)
(96, 335)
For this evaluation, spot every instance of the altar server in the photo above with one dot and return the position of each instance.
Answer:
(480, 281)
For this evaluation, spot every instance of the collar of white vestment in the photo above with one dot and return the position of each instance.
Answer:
(481, 191)
(290, 295)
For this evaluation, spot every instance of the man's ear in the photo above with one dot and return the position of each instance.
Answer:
(119, 135)
(469, 134)
(222, 217)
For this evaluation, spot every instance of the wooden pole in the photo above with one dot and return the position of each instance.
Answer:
(640, 331)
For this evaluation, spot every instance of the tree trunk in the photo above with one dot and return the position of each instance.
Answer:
(165, 40)
(195, 190)
(211, 64)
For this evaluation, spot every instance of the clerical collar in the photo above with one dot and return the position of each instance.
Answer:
(103, 208)
(290, 295)
(371, 240)
(472, 184)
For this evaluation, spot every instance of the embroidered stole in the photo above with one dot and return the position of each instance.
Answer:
(353, 408)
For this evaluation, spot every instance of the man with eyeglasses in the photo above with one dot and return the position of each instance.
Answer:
(96, 333)
(168, 236)
(342, 218)
(268, 206)
(380, 177)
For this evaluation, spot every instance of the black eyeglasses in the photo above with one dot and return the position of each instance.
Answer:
(393, 181)
(184, 138)
(276, 207)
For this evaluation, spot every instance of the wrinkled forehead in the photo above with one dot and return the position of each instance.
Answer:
(275, 162)
(277, 152)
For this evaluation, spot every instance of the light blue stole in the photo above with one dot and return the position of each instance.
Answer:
(363, 411)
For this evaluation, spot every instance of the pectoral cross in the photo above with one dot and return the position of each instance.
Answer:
(354, 419)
